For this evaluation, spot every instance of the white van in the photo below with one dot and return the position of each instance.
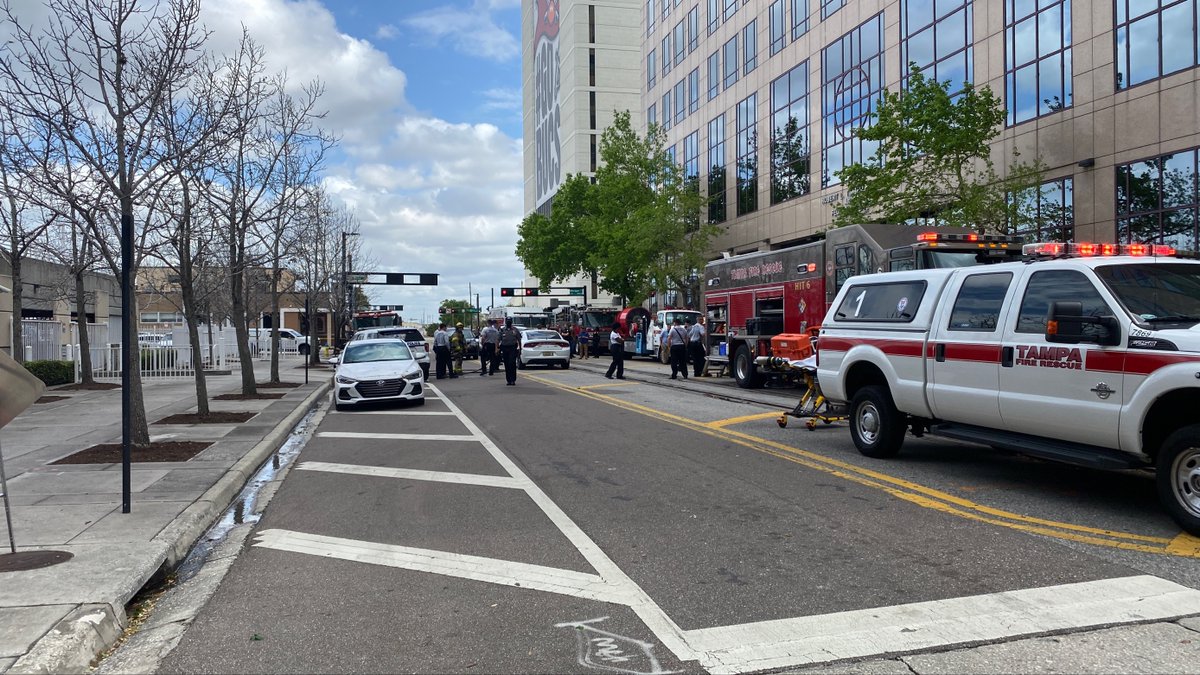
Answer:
(290, 340)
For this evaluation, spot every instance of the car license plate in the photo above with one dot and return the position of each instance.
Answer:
(547, 353)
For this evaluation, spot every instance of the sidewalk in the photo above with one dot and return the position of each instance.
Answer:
(58, 618)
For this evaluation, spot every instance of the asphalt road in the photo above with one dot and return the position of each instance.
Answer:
(573, 523)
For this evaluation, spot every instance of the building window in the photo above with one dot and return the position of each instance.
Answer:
(717, 186)
(1154, 38)
(790, 146)
(666, 54)
(651, 69)
(852, 70)
(592, 151)
(649, 17)
(939, 43)
(778, 35)
(651, 116)
(747, 156)
(731, 62)
(680, 101)
(799, 18)
(1037, 58)
(691, 157)
(666, 8)
(693, 90)
(1049, 211)
(714, 75)
(591, 67)
(828, 7)
(666, 110)
(731, 7)
(592, 24)
(592, 109)
(750, 47)
(714, 15)
(680, 43)
(1157, 201)
(693, 29)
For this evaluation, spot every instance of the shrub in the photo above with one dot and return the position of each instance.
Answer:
(52, 372)
(155, 359)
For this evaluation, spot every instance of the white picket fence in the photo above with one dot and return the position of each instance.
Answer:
(42, 339)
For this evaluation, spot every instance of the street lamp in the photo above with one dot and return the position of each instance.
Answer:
(346, 294)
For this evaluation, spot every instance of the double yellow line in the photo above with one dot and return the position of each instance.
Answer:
(1183, 545)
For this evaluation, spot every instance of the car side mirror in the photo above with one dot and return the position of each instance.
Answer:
(333, 360)
(1065, 323)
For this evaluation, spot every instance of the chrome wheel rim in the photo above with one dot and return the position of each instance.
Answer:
(1185, 480)
(867, 421)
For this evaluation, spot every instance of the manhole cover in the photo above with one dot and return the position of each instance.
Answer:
(32, 560)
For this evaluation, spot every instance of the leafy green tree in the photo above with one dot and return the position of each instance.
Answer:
(456, 311)
(636, 226)
(933, 164)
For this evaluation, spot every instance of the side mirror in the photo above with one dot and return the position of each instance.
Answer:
(1065, 325)
(333, 360)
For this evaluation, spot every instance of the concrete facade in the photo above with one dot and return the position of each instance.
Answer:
(1103, 124)
(581, 62)
(48, 293)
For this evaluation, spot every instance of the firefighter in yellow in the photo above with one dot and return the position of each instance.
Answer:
(458, 348)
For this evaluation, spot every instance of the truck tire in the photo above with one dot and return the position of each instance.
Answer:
(744, 370)
(1178, 477)
(875, 425)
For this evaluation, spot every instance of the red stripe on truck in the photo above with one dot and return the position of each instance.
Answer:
(889, 347)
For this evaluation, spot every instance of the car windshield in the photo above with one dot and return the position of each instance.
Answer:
(541, 335)
(376, 351)
(468, 334)
(682, 316)
(1156, 292)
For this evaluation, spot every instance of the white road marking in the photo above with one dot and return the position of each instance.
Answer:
(412, 474)
(490, 570)
(404, 412)
(903, 628)
(395, 437)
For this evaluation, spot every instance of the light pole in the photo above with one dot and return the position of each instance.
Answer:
(346, 295)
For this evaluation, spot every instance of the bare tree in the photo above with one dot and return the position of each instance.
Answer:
(96, 75)
(317, 258)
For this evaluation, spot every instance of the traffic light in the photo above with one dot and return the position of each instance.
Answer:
(531, 291)
(507, 292)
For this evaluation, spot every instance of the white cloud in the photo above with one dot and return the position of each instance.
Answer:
(502, 99)
(387, 32)
(471, 32)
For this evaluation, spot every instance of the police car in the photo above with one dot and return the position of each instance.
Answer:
(1082, 353)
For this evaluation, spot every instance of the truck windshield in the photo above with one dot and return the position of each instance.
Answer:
(1157, 293)
(933, 260)
(669, 317)
(598, 319)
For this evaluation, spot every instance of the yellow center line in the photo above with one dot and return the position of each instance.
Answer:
(915, 493)
(601, 386)
(718, 424)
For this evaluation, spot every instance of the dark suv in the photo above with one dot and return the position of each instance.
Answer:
(413, 337)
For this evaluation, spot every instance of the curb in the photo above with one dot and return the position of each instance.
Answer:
(76, 641)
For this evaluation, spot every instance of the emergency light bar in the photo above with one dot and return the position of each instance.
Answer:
(984, 241)
(1054, 249)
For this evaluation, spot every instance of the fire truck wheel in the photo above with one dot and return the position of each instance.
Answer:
(1178, 477)
(744, 370)
(875, 425)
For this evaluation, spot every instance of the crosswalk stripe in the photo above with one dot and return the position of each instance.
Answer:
(395, 437)
(490, 570)
(413, 474)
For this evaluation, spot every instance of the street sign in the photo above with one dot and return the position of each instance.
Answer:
(356, 278)
(554, 292)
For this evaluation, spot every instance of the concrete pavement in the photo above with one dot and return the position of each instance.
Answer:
(59, 618)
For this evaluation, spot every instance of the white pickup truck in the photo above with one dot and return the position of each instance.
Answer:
(1087, 354)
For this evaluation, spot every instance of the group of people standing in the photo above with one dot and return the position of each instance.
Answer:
(494, 344)
(682, 342)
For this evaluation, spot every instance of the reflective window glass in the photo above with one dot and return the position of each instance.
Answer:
(693, 29)
(680, 43)
(1048, 286)
(1046, 212)
(778, 34)
(731, 62)
(651, 69)
(714, 75)
(1154, 38)
(716, 170)
(693, 90)
(799, 18)
(666, 54)
(830, 6)
(790, 140)
(852, 80)
(1037, 58)
(979, 302)
(747, 155)
(680, 101)
(666, 109)
(731, 7)
(939, 47)
(750, 47)
(1157, 201)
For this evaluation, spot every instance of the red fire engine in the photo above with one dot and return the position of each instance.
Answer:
(754, 297)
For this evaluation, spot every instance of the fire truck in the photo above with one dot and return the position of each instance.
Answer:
(754, 297)
(376, 319)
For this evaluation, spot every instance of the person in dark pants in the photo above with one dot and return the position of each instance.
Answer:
(488, 337)
(697, 339)
(596, 342)
(441, 349)
(617, 350)
(510, 342)
(677, 339)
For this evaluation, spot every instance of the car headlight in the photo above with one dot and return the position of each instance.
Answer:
(342, 379)
(414, 376)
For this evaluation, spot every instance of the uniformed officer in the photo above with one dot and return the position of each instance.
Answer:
(677, 344)
(510, 343)
(441, 349)
(696, 345)
(489, 337)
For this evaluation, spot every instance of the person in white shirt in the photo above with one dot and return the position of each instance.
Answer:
(697, 345)
(441, 349)
(677, 341)
(616, 348)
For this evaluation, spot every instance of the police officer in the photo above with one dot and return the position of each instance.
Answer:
(510, 342)
(488, 339)
(617, 350)
(696, 346)
(441, 349)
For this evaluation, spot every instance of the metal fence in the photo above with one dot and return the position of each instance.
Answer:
(169, 354)
(42, 339)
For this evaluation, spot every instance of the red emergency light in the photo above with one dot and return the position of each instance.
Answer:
(1054, 249)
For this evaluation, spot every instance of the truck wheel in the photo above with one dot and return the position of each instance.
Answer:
(1178, 477)
(875, 425)
(744, 370)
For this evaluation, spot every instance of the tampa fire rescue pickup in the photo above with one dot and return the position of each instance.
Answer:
(1081, 353)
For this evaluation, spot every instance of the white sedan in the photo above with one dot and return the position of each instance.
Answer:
(543, 346)
(376, 370)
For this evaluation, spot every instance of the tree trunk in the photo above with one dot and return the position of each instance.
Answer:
(275, 317)
(18, 339)
(190, 316)
(85, 341)
(237, 283)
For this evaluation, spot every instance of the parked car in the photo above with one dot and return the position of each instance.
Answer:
(376, 370)
(290, 339)
(472, 344)
(411, 336)
(155, 340)
(544, 347)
